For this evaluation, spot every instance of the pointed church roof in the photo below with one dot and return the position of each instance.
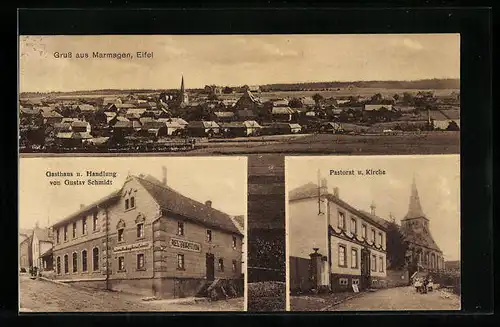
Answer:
(414, 208)
(182, 84)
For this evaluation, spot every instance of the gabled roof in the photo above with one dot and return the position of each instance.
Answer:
(80, 124)
(51, 114)
(224, 114)
(251, 123)
(203, 124)
(311, 191)
(123, 124)
(282, 110)
(172, 201)
(370, 107)
(86, 107)
(42, 234)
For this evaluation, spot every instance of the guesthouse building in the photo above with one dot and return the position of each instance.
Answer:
(148, 239)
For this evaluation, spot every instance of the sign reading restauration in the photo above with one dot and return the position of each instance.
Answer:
(132, 247)
(185, 245)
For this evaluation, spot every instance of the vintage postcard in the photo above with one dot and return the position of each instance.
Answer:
(373, 233)
(132, 234)
(240, 94)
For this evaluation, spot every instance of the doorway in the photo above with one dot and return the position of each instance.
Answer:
(365, 269)
(210, 261)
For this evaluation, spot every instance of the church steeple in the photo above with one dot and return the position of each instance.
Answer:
(182, 84)
(183, 96)
(414, 209)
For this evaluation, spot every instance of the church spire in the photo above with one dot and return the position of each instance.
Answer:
(414, 209)
(182, 84)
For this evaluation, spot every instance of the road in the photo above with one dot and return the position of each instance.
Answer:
(46, 296)
(401, 298)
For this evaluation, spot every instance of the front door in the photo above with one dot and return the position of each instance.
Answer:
(365, 269)
(210, 266)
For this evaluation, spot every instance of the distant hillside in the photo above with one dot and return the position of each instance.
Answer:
(420, 84)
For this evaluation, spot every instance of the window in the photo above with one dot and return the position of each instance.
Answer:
(209, 235)
(120, 235)
(84, 260)
(234, 266)
(354, 258)
(234, 242)
(343, 281)
(341, 220)
(380, 239)
(180, 261)
(66, 264)
(132, 202)
(342, 257)
(373, 236)
(354, 227)
(65, 233)
(58, 236)
(180, 228)
(75, 262)
(363, 229)
(374, 262)
(221, 264)
(84, 226)
(95, 259)
(381, 264)
(74, 230)
(94, 222)
(140, 261)
(140, 230)
(121, 263)
(58, 265)
(126, 204)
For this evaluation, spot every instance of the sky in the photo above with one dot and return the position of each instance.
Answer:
(233, 60)
(221, 180)
(437, 178)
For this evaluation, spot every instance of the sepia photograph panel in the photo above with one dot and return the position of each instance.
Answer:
(239, 94)
(376, 233)
(132, 234)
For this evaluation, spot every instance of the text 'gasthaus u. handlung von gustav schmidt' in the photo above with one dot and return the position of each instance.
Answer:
(89, 177)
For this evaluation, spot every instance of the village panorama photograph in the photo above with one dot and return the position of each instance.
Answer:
(375, 233)
(132, 234)
(240, 94)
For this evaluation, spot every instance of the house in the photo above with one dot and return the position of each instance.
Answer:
(415, 227)
(71, 139)
(41, 243)
(172, 125)
(343, 245)
(246, 128)
(203, 128)
(160, 243)
(51, 117)
(308, 102)
(81, 126)
(153, 128)
(135, 113)
(243, 115)
(111, 100)
(117, 118)
(373, 107)
(284, 114)
(87, 108)
(25, 252)
(441, 119)
(110, 115)
(331, 127)
(248, 101)
(281, 128)
(223, 116)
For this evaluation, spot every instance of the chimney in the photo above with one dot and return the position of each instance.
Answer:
(372, 207)
(82, 206)
(208, 203)
(164, 180)
(336, 192)
(324, 186)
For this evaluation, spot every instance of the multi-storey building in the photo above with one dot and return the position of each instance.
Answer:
(333, 245)
(146, 238)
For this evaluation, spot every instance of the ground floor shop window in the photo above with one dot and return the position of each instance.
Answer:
(84, 260)
(75, 262)
(95, 259)
(343, 281)
(66, 264)
(121, 263)
(180, 261)
(58, 265)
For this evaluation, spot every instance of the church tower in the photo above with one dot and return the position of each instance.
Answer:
(184, 97)
(415, 218)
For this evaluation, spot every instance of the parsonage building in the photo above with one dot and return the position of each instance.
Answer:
(146, 238)
(333, 245)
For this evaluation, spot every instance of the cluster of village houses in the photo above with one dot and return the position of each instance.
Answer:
(145, 238)
(71, 123)
(333, 245)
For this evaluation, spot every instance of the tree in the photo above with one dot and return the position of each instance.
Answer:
(212, 97)
(396, 97)
(317, 98)
(295, 103)
(453, 126)
(408, 98)
(396, 246)
(376, 98)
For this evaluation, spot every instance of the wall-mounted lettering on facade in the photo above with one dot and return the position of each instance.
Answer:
(185, 245)
(132, 247)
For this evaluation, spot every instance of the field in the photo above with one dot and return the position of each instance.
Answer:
(364, 92)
